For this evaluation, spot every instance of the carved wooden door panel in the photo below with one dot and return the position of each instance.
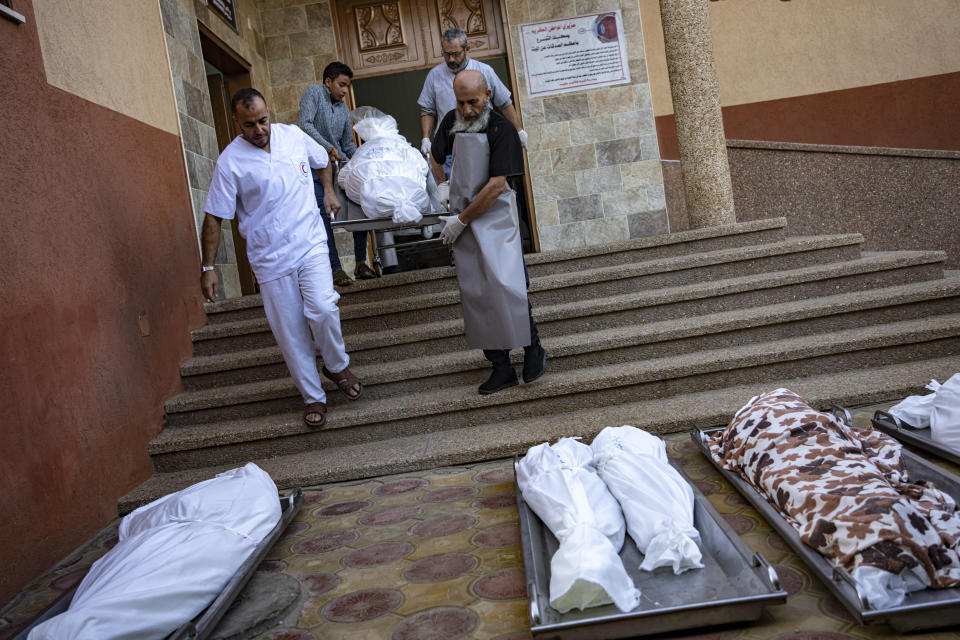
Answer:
(379, 37)
(479, 19)
(386, 37)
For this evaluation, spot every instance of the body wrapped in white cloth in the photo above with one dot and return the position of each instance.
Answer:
(386, 175)
(940, 411)
(560, 486)
(174, 557)
(657, 502)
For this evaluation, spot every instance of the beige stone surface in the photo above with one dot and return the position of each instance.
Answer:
(540, 162)
(624, 202)
(284, 21)
(605, 231)
(552, 187)
(599, 180)
(641, 174)
(795, 46)
(574, 158)
(547, 213)
(553, 135)
(611, 100)
(563, 236)
(112, 54)
(596, 129)
(551, 9)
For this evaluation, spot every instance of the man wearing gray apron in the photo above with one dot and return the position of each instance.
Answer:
(484, 231)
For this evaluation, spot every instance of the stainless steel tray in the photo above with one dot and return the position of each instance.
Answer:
(927, 609)
(920, 438)
(734, 585)
(203, 625)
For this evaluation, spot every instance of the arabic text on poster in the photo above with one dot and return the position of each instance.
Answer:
(583, 52)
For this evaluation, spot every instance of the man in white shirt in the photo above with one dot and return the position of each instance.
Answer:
(263, 177)
(437, 99)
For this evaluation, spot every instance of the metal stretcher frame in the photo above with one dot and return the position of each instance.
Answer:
(926, 609)
(202, 626)
(920, 438)
(370, 224)
(352, 218)
(734, 585)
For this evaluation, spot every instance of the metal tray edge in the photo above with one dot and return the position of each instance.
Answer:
(883, 421)
(751, 607)
(910, 617)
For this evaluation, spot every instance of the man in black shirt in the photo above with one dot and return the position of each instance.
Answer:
(473, 115)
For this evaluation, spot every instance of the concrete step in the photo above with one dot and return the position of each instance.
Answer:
(609, 281)
(472, 442)
(439, 280)
(419, 335)
(437, 409)
(860, 308)
(261, 396)
(388, 313)
(793, 253)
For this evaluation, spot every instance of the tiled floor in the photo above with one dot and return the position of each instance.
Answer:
(436, 555)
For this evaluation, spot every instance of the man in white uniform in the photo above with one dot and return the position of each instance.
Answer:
(264, 179)
(437, 99)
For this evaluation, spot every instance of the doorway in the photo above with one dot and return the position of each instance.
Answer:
(226, 74)
(391, 48)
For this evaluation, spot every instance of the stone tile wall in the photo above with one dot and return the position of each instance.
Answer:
(594, 158)
(298, 43)
(189, 77)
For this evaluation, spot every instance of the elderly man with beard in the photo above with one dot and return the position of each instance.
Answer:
(436, 97)
(263, 178)
(484, 231)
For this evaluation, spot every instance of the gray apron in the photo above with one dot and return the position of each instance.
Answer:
(488, 254)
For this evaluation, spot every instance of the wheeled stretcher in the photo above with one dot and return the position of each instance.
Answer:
(204, 624)
(920, 438)
(734, 585)
(926, 609)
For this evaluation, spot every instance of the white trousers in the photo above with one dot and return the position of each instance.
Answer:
(297, 303)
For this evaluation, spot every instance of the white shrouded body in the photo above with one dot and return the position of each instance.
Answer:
(559, 485)
(174, 557)
(657, 502)
(386, 175)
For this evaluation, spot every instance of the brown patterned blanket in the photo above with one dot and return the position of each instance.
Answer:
(844, 489)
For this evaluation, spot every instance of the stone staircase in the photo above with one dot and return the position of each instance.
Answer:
(664, 333)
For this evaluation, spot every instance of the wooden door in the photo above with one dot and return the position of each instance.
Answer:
(379, 37)
(403, 35)
(479, 19)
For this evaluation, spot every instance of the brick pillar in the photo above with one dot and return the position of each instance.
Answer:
(696, 107)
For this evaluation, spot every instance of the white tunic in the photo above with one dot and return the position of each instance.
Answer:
(272, 196)
(437, 94)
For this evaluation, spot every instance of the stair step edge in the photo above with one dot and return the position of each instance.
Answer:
(571, 382)
(698, 410)
(579, 343)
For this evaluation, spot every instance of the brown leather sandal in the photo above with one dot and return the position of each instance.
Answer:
(341, 279)
(364, 272)
(345, 381)
(315, 408)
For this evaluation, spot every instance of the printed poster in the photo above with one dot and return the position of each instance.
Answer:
(572, 54)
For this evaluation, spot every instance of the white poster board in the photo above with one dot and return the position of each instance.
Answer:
(572, 54)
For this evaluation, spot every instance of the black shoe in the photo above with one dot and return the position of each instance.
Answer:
(501, 378)
(534, 362)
